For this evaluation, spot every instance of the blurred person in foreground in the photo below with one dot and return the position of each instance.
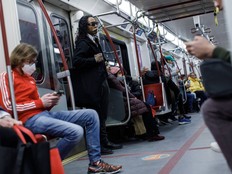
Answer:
(217, 112)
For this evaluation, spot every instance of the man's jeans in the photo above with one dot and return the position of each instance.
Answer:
(69, 125)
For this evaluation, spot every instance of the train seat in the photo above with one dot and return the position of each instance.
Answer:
(116, 108)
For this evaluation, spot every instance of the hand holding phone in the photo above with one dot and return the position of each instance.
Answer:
(59, 92)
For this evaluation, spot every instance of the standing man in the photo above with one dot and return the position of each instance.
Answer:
(217, 112)
(90, 84)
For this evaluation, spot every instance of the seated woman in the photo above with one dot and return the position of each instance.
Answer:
(138, 107)
(194, 85)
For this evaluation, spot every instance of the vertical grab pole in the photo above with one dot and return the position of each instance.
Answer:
(138, 64)
(120, 66)
(156, 61)
(7, 59)
(61, 52)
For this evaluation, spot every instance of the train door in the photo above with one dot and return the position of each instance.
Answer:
(35, 31)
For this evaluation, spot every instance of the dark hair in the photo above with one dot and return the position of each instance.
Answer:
(83, 27)
(153, 65)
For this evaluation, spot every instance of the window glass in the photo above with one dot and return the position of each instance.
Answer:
(29, 31)
(62, 32)
(108, 52)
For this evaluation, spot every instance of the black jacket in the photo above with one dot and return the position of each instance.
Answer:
(88, 75)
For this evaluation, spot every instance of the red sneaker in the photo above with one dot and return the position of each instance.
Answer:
(102, 167)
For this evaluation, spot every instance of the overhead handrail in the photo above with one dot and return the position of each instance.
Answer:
(7, 60)
(156, 61)
(185, 67)
(162, 59)
(177, 68)
(138, 63)
(192, 66)
(66, 72)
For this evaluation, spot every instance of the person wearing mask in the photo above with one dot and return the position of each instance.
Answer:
(33, 111)
(90, 82)
(217, 112)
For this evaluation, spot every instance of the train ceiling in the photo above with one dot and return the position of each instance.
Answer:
(177, 15)
(167, 10)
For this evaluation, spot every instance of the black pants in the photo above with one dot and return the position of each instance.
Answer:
(178, 97)
(8, 137)
(150, 123)
(201, 95)
(218, 117)
(102, 110)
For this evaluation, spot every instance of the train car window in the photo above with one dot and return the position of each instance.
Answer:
(109, 53)
(63, 34)
(29, 31)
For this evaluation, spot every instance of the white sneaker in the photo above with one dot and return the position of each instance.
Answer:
(214, 146)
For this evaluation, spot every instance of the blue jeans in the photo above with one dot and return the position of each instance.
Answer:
(68, 125)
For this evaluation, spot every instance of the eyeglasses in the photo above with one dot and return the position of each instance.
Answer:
(93, 24)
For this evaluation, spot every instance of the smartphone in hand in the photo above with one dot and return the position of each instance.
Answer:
(59, 92)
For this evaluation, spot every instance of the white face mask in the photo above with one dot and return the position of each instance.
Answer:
(29, 68)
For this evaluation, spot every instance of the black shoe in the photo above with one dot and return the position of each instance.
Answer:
(106, 151)
(173, 118)
(186, 116)
(156, 138)
(111, 145)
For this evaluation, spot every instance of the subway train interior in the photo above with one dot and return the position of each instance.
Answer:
(132, 35)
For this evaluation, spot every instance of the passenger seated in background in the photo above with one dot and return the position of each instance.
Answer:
(152, 77)
(138, 107)
(33, 111)
(190, 97)
(194, 85)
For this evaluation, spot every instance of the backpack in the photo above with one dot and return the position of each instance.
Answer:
(151, 98)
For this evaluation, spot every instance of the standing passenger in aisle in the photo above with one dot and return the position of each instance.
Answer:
(90, 85)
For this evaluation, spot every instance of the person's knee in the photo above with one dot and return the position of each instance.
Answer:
(93, 116)
(206, 110)
(76, 134)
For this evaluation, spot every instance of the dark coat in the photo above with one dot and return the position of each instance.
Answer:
(151, 77)
(88, 75)
(137, 106)
(135, 88)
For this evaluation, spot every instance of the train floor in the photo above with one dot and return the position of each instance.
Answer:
(185, 150)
